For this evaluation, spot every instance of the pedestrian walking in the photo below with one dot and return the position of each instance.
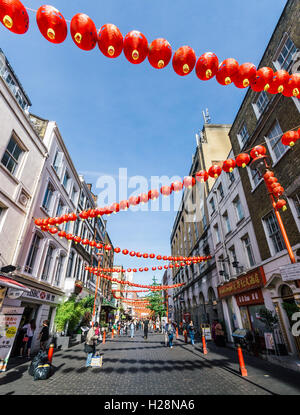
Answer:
(170, 331)
(44, 335)
(29, 329)
(132, 330)
(220, 338)
(90, 344)
(146, 326)
(191, 331)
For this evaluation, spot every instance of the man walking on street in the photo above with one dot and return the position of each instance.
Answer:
(146, 324)
(132, 329)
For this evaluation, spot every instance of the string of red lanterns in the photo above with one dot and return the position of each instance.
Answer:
(131, 291)
(53, 27)
(241, 160)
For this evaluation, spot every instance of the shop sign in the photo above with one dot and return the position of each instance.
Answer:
(253, 279)
(290, 272)
(40, 295)
(250, 298)
(269, 341)
(10, 318)
(14, 293)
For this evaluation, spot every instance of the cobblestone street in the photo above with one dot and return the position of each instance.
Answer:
(139, 367)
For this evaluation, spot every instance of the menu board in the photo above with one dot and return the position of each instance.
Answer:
(10, 318)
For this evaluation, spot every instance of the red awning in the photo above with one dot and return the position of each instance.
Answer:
(8, 282)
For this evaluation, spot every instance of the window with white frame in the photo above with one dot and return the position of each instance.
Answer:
(212, 205)
(70, 264)
(12, 155)
(233, 259)
(243, 135)
(48, 197)
(74, 194)
(48, 262)
(60, 208)
(248, 250)
(32, 255)
(231, 177)
(277, 149)
(226, 222)
(261, 103)
(217, 234)
(285, 54)
(273, 233)
(255, 177)
(57, 163)
(238, 208)
(66, 180)
(59, 268)
(221, 191)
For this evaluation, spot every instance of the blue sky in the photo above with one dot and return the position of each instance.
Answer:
(113, 114)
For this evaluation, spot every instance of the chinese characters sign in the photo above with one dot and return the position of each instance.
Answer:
(10, 318)
(251, 280)
(250, 298)
(40, 295)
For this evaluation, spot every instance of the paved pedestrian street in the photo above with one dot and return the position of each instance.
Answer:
(146, 367)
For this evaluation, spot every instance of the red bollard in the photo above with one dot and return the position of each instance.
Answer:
(185, 336)
(176, 332)
(112, 333)
(204, 345)
(104, 335)
(50, 352)
(243, 369)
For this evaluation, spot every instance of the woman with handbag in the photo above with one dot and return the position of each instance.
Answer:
(29, 329)
(90, 344)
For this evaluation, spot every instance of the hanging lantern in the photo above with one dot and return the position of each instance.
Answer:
(153, 268)
(14, 16)
(145, 256)
(143, 198)
(128, 269)
(278, 191)
(135, 47)
(124, 205)
(152, 256)
(202, 176)
(53, 230)
(117, 250)
(146, 269)
(85, 241)
(279, 82)
(159, 257)
(166, 190)
(189, 182)
(268, 175)
(72, 217)
(83, 31)
(125, 251)
(290, 138)
(138, 254)
(262, 79)
(292, 88)
(110, 41)
(160, 53)
(107, 248)
(177, 186)
(229, 165)
(77, 239)
(242, 159)
(134, 270)
(115, 207)
(133, 201)
(207, 66)
(226, 71)
(258, 151)
(62, 234)
(160, 267)
(215, 170)
(38, 222)
(153, 194)
(83, 215)
(132, 253)
(93, 244)
(244, 75)
(141, 269)
(184, 60)
(281, 204)
(52, 24)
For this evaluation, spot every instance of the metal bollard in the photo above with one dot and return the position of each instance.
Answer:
(50, 352)
(243, 369)
(104, 335)
(204, 345)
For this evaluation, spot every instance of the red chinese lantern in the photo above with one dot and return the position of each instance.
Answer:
(14, 16)
(189, 182)
(229, 165)
(38, 222)
(177, 186)
(53, 230)
(227, 71)
(117, 250)
(159, 257)
(160, 267)
(262, 79)
(166, 190)
(146, 269)
(115, 207)
(141, 269)
(110, 41)
(242, 160)
(85, 242)
(153, 194)
(134, 270)
(268, 175)
(160, 53)
(128, 269)
(83, 215)
(125, 251)
(143, 198)
(72, 217)
(132, 253)
(135, 47)
(281, 204)
(93, 244)
(145, 256)
(290, 138)
(152, 256)
(184, 60)
(202, 176)
(258, 151)
(83, 31)
(124, 204)
(52, 24)
(69, 237)
(207, 66)
(215, 170)
(279, 82)
(133, 200)
(77, 239)
(292, 88)
(138, 254)
(153, 268)
(278, 191)
(62, 234)
(245, 75)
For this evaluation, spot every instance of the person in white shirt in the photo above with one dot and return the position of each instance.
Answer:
(29, 329)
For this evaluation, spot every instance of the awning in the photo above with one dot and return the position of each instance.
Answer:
(8, 282)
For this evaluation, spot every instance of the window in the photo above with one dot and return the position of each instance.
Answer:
(243, 135)
(81, 200)
(74, 194)
(60, 208)
(238, 208)
(204, 221)
(295, 198)
(32, 253)
(212, 205)
(233, 259)
(227, 222)
(47, 264)
(66, 180)
(248, 249)
(217, 234)
(286, 54)
(59, 270)
(231, 177)
(274, 140)
(261, 103)
(255, 177)
(12, 155)
(273, 233)
(57, 163)
(223, 267)
(221, 191)
(48, 197)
